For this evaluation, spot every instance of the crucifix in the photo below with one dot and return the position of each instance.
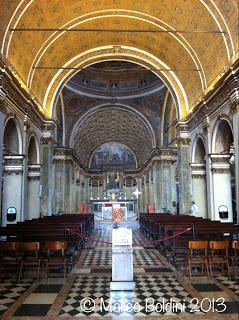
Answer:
(137, 193)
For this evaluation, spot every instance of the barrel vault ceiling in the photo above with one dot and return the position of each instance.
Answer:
(192, 43)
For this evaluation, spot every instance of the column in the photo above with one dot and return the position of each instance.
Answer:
(235, 109)
(221, 178)
(2, 119)
(82, 185)
(142, 195)
(64, 188)
(47, 175)
(184, 170)
(209, 181)
(146, 193)
(87, 193)
(59, 187)
(157, 185)
(12, 186)
(168, 160)
(24, 191)
(200, 187)
(151, 186)
(33, 199)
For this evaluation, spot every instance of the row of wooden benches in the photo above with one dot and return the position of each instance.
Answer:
(71, 228)
(165, 227)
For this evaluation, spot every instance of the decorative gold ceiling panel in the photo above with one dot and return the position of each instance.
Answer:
(183, 52)
(112, 125)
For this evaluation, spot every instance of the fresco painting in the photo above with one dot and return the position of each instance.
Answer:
(113, 154)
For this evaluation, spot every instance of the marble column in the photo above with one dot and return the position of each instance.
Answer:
(157, 186)
(221, 177)
(138, 186)
(200, 187)
(59, 188)
(87, 192)
(235, 109)
(151, 187)
(24, 190)
(146, 193)
(184, 172)
(82, 188)
(209, 179)
(33, 187)
(2, 119)
(68, 208)
(142, 195)
(47, 176)
(164, 167)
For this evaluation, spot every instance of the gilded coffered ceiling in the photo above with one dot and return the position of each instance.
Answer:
(112, 124)
(187, 43)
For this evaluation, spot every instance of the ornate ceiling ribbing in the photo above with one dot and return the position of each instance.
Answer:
(112, 125)
(185, 53)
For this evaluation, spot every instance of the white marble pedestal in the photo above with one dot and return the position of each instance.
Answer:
(122, 260)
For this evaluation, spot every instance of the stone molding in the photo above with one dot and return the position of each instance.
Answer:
(196, 175)
(220, 171)
(220, 158)
(13, 165)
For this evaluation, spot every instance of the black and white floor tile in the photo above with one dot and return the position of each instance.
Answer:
(39, 301)
(142, 257)
(232, 284)
(10, 291)
(91, 296)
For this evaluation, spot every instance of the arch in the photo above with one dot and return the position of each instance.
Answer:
(121, 53)
(169, 115)
(12, 137)
(222, 135)
(33, 154)
(118, 106)
(198, 150)
(95, 128)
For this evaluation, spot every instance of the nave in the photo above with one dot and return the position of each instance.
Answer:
(157, 281)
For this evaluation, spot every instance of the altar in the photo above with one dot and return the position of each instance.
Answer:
(103, 209)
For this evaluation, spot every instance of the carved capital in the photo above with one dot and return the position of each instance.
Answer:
(235, 106)
(3, 104)
(199, 176)
(220, 170)
(47, 140)
(184, 141)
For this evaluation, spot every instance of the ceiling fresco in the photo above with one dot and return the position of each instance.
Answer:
(187, 43)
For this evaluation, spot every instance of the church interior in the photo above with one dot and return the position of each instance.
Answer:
(119, 159)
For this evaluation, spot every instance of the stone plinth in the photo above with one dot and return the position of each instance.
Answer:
(122, 260)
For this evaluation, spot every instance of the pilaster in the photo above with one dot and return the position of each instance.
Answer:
(221, 177)
(184, 170)
(13, 171)
(2, 119)
(199, 187)
(235, 109)
(47, 177)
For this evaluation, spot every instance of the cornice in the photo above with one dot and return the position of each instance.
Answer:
(223, 93)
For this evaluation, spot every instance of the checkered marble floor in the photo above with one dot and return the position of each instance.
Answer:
(142, 257)
(232, 284)
(10, 291)
(91, 296)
